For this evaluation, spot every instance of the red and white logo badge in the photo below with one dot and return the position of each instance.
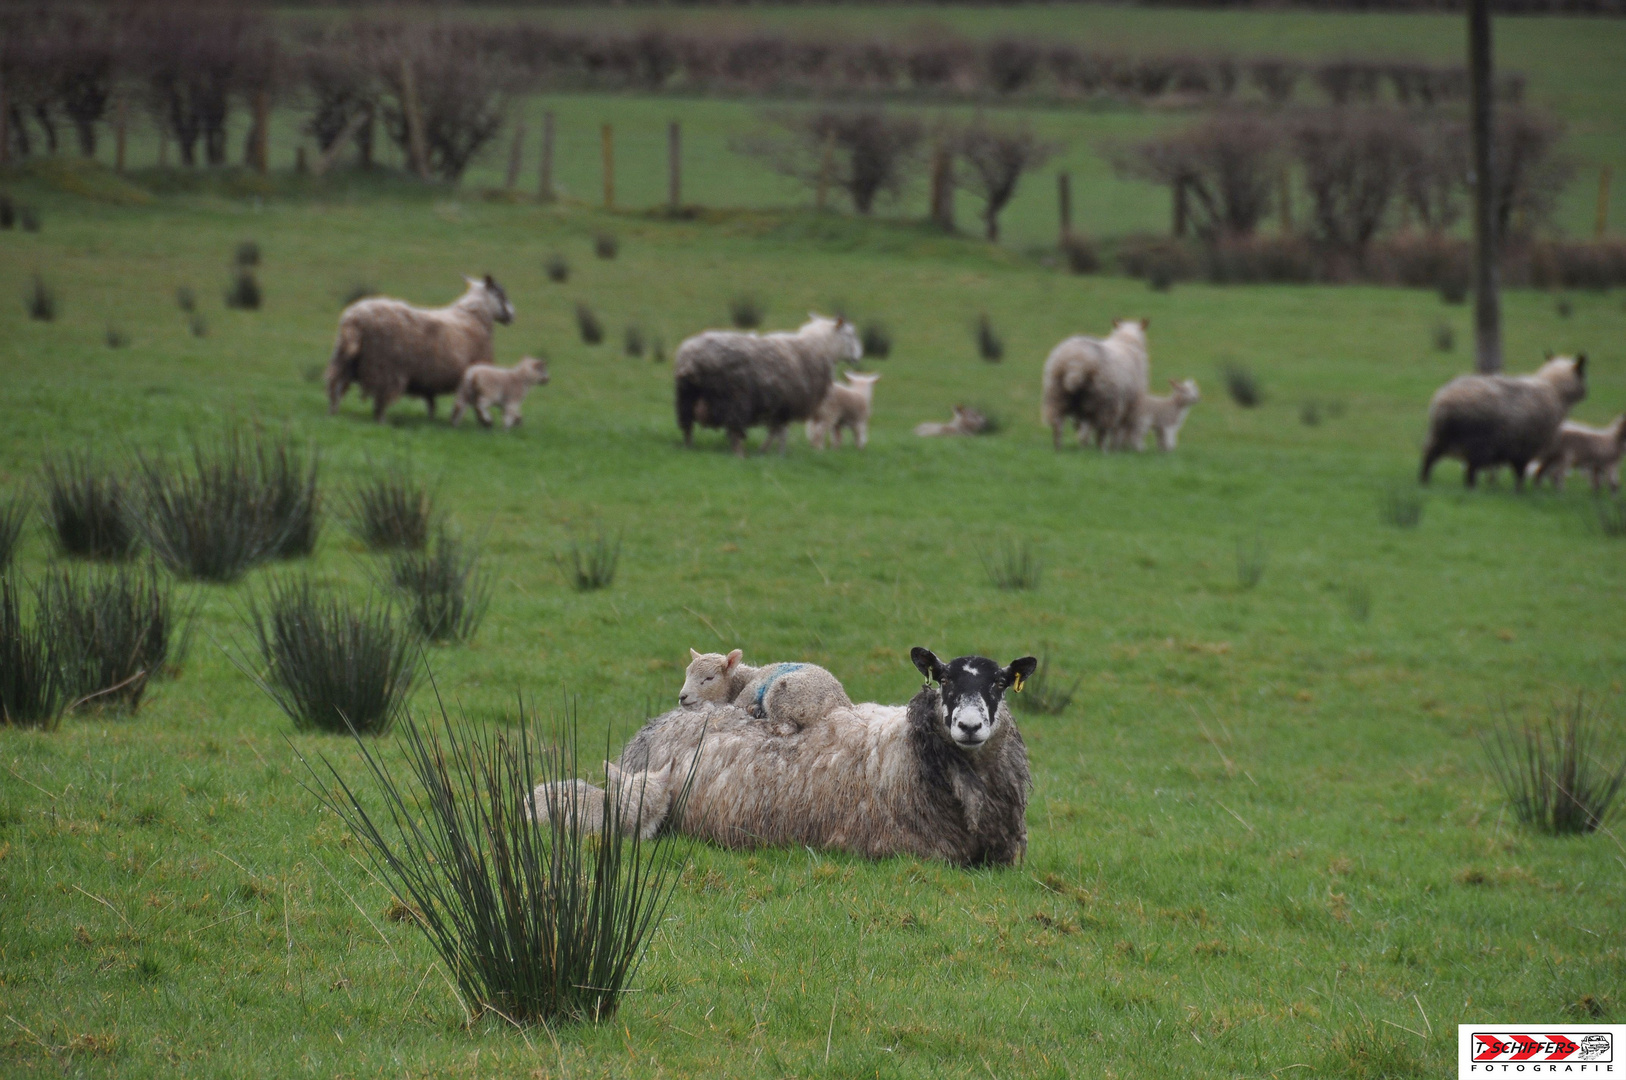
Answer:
(1585, 1049)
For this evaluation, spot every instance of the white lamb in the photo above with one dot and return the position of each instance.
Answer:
(788, 696)
(1164, 415)
(844, 406)
(485, 385)
(1578, 446)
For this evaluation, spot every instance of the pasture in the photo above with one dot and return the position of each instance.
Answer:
(1263, 837)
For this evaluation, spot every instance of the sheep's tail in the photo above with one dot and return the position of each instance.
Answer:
(341, 367)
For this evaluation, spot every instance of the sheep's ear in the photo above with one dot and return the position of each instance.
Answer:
(927, 662)
(1145, 323)
(470, 281)
(1580, 364)
(732, 659)
(693, 655)
(1175, 383)
(490, 282)
(1020, 672)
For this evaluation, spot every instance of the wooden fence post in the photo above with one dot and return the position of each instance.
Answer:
(121, 130)
(1180, 212)
(163, 145)
(1284, 202)
(1064, 204)
(942, 204)
(545, 171)
(607, 139)
(5, 124)
(1604, 176)
(826, 166)
(515, 155)
(260, 148)
(415, 136)
(674, 166)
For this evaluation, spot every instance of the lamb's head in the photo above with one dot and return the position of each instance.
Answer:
(1567, 375)
(707, 677)
(848, 345)
(489, 294)
(972, 688)
(864, 384)
(534, 370)
(1185, 392)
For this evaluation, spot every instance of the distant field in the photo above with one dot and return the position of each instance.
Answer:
(1263, 840)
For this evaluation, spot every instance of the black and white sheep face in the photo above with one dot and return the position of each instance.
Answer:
(972, 688)
(496, 299)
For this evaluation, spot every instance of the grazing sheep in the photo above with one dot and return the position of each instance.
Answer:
(392, 348)
(1577, 446)
(967, 421)
(944, 777)
(1164, 415)
(736, 381)
(845, 406)
(484, 385)
(1492, 420)
(1098, 384)
(788, 696)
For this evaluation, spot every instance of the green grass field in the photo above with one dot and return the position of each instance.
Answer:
(1263, 838)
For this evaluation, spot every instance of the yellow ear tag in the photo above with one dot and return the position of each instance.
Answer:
(1019, 682)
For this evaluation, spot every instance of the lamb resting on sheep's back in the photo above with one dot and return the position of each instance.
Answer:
(789, 696)
(394, 349)
(944, 777)
(1097, 384)
(736, 381)
(485, 385)
(1494, 420)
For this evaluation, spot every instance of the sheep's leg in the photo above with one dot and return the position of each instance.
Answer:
(429, 403)
(510, 415)
(1055, 434)
(1614, 478)
(1470, 475)
(482, 409)
(736, 442)
(861, 434)
(1431, 454)
(775, 435)
(457, 411)
(382, 401)
(1597, 480)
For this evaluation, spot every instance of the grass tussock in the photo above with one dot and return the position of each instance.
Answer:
(537, 921)
(243, 500)
(1243, 386)
(589, 326)
(247, 254)
(632, 342)
(331, 665)
(606, 246)
(446, 593)
(112, 631)
(13, 514)
(746, 311)
(1559, 776)
(1043, 693)
(877, 340)
(244, 292)
(1400, 505)
(1611, 517)
(1013, 564)
(115, 337)
(87, 507)
(990, 346)
(557, 268)
(591, 562)
(31, 686)
(392, 510)
(40, 300)
(1252, 557)
(186, 299)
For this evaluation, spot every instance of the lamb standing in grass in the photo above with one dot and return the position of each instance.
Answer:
(485, 385)
(736, 381)
(845, 406)
(1164, 415)
(1097, 384)
(392, 348)
(1597, 450)
(788, 696)
(1492, 420)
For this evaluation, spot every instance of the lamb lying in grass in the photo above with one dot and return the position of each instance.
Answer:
(485, 385)
(1164, 415)
(788, 696)
(844, 406)
(967, 421)
(1577, 446)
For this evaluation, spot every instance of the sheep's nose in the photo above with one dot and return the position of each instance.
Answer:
(970, 729)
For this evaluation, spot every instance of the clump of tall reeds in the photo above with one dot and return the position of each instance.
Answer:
(1043, 693)
(592, 561)
(1552, 773)
(1012, 564)
(446, 593)
(112, 631)
(31, 685)
(537, 920)
(392, 510)
(87, 506)
(13, 513)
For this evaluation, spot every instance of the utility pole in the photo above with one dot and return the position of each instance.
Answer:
(1487, 304)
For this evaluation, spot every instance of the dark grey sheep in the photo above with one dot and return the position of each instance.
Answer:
(1493, 420)
(736, 381)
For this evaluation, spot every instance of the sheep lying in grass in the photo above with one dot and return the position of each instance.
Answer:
(1164, 415)
(967, 421)
(1492, 420)
(845, 406)
(393, 349)
(788, 696)
(1577, 446)
(944, 777)
(485, 385)
(1097, 384)
(736, 381)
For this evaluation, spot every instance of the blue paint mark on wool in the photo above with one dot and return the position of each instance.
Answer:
(778, 670)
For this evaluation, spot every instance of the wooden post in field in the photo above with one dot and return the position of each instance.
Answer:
(1487, 300)
(607, 147)
(1180, 212)
(415, 136)
(121, 132)
(163, 145)
(544, 189)
(515, 156)
(942, 204)
(1284, 202)
(1604, 176)
(826, 166)
(262, 132)
(1064, 205)
(5, 124)
(674, 167)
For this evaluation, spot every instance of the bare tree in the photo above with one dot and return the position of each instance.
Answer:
(1529, 173)
(1436, 173)
(83, 63)
(461, 95)
(196, 60)
(339, 77)
(865, 153)
(1487, 294)
(1223, 171)
(1354, 164)
(994, 163)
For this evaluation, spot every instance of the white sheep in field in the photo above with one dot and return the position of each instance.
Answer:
(485, 385)
(1494, 420)
(1165, 415)
(393, 349)
(845, 406)
(789, 696)
(1097, 384)
(1578, 446)
(944, 777)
